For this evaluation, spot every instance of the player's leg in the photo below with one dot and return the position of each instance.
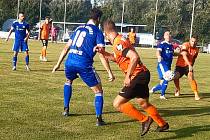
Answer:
(70, 74)
(164, 86)
(43, 51)
(15, 54)
(24, 48)
(153, 113)
(193, 84)
(179, 72)
(160, 74)
(91, 78)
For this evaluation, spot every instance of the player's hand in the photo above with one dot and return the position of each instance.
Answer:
(190, 68)
(99, 49)
(25, 39)
(127, 81)
(159, 58)
(111, 77)
(56, 67)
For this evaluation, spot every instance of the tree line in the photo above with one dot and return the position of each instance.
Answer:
(173, 14)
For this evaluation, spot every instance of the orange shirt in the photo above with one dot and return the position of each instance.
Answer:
(45, 31)
(132, 37)
(192, 53)
(121, 43)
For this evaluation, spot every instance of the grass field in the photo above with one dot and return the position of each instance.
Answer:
(31, 103)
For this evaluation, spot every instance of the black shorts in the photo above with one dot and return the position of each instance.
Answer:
(182, 70)
(138, 87)
(44, 42)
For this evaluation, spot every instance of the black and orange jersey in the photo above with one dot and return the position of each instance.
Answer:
(45, 31)
(120, 44)
(192, 53)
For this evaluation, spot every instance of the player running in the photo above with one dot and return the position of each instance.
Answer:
(136, 81)
(22, 31)
(81, 48)
(44, 36)
(164, 55)
(184, 65)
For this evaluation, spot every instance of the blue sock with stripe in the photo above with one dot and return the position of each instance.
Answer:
(99, 101)
(157, 87)
(14, 61)
(27, 59)
(164, 87)
(67, 90)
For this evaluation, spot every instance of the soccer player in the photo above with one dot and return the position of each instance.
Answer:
(136, 81)
(22, 31)
(132, 37)
(81, 48)
(184, 65)
(164, 55)
(44, 36)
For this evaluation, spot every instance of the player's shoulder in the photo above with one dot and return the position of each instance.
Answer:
(15, 22)
(185, 45)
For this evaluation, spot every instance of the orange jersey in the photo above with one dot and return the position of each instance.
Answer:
(121, 43)
(45, 31)
(192, 53)
(132, 37)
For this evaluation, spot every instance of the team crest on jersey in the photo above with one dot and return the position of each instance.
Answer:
(119, 47)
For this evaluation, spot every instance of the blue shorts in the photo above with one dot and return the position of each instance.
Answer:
(162, 67)
(20, 45)
(88, 75)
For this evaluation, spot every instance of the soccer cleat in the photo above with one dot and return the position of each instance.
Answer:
(27, 68)
(14, 68)
(66, 112)
(177, 93)
(163, 97)
(163, 128)
(99, 121)
(151, 90)
(197, 97)
(44, 59)
(146, 126)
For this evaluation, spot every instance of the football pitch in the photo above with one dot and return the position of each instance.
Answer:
(31, 103)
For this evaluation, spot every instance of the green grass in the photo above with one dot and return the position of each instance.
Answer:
(31, 103)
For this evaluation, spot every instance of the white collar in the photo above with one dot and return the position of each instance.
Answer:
(165, 42)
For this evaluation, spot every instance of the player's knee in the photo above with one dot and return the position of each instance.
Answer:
(116, 105)
(68, 82)
(144, 104)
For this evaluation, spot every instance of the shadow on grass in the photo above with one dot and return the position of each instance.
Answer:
(87, 114)
(187, 132)
(127, 121)
(183, 111)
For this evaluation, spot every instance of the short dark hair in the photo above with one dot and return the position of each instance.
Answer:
(109, 25)
(194, 36)
(22, 13)
(95, 14)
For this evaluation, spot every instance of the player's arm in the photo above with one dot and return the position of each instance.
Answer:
(10, 32)
(184, 55)
(104, 57)
(134, 59)
(27, 35)
(62, 56)
(158, 53)
(40, 31)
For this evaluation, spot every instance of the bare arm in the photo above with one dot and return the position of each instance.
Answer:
(27, 35)
(104, 57)
(158, 55)
(62, 56)
(184, 55)
(10, 32)
(134, 58)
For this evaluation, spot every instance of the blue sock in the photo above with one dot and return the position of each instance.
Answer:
(158, 87)
(14, 61)
(164, 87)
(67, 90)
(99, 101)
(27, 59)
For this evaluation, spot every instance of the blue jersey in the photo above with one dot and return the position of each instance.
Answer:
(167, 52)
(84, 39)
(20, 30)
